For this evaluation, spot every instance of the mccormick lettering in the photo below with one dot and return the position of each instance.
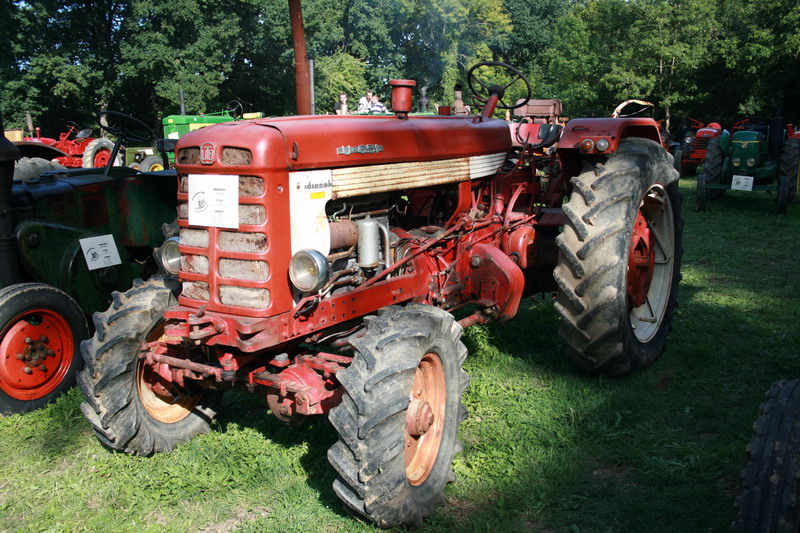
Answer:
(310, 186)
(360, 149)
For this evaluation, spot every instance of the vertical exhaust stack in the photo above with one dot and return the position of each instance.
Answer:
(402, 97)
(9, 263)
(301, 66)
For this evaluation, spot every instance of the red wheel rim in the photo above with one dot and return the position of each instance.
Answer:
(425, 419)
(641, 262)
(37, 350)
(101, 158)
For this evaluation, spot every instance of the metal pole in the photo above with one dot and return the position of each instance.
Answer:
(302, 76)
(313, 93)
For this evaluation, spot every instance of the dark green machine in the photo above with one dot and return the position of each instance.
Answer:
(68, 239)
(759, 156)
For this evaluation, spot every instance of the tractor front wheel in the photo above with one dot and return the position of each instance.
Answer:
(151, 163)
(619, 260)
(677, 162)
(399, 415)
(42, 328)
(714, 168)
(770, 498)
(702, 197)
(131, 407)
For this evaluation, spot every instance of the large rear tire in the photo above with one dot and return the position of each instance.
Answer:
(619, 260)
(399, 415)
(41, 329)
(98, 152)
(125, 413)
(771, 476)
(714, 168)
(790, 165)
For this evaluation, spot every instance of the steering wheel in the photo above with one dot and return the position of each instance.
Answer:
(125, 126)
(235, 108)
(484, 90)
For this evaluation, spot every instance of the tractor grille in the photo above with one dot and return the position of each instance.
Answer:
(230, 156)
(701, 143)
(225, 266)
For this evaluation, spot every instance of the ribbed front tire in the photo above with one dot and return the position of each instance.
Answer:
(399, 415)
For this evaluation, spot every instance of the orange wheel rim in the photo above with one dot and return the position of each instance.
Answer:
(425, 419)
(160, 397)
(36, 352)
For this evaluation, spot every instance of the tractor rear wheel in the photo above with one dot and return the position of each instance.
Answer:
(784, 192)
(714, 168)
(399, 415)
(619, 260)
(770, 498)
(41, 329)
(790, 165)
(98, 152)
(129, 407)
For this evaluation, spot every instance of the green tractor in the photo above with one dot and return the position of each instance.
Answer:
(761, 155)
(68, 238)
(150, 159)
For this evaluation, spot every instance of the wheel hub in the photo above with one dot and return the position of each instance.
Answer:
(425, 419)
(641, 262)
(36, 351)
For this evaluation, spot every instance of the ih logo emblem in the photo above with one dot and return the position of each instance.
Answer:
(207, 153)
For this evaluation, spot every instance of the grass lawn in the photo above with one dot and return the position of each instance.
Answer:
(546, 448)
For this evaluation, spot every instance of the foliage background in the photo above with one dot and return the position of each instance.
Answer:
(66, 60)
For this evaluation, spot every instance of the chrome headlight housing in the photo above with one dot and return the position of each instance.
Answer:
(308, 270)
(736, 162)
(751, 162)
(168, 257)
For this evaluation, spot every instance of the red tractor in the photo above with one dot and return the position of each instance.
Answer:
(73, 149)
(329, 263)
(694, 145)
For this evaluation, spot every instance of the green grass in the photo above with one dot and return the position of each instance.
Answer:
(546, 448)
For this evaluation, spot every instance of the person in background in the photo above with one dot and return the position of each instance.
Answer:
(376, 107)
(341, 105)
(365, 102)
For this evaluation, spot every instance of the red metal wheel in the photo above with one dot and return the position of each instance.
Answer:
(641, 260)
(38, 348)
(162, 398)
(101, 158)
(425, 419)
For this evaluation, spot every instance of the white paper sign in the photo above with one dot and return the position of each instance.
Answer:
(309, 191)
(214, 200)
(742, 183)
(100, 251)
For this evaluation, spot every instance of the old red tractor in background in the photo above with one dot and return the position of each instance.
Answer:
(329, 263)
(74, 148)
(694, 145)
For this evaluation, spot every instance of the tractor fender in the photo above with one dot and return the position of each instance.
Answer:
(38, 149)
(725, 142)
(578, 130)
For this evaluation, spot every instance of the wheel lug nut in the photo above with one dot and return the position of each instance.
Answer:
(21, 356)
(50, 352)
(27, 370)
(43, 368)
(44, 339)
(28, 340)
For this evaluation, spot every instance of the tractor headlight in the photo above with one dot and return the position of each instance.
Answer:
(308, 270)
(736, 162)
(751, 162)
(602, 145)
(587, 145)
(689, 140)
(167, 255)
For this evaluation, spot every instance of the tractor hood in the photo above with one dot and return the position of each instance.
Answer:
(317, 142)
